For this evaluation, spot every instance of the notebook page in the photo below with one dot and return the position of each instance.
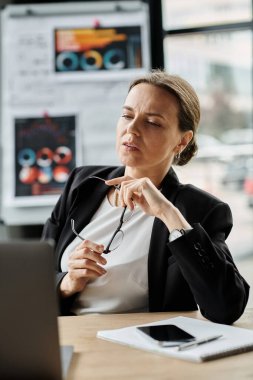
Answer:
(234, 340)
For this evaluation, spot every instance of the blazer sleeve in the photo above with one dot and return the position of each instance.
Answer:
(52, 231)
(207, 265)
(53, 226)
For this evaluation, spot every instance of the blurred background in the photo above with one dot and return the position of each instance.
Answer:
(209, 43)
(211, 46)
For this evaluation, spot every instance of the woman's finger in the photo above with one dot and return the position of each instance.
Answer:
(117, 181)
(86, 253)
(92, 246)
(85, 264)
(83, 273)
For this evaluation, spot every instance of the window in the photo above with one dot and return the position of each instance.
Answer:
(211, 46)
(180, 14)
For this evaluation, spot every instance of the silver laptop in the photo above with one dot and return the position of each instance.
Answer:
(29, 342)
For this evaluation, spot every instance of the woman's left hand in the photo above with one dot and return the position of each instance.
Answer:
(140, 191)
(144, 193)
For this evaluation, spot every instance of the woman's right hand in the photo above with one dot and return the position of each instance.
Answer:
(84, 264)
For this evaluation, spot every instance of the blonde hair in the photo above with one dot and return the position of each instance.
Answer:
(189, 107)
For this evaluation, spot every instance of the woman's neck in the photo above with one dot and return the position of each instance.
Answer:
(156, 176)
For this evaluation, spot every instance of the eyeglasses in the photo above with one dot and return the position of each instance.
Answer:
(118, 235)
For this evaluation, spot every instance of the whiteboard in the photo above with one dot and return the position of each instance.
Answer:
(65, 73)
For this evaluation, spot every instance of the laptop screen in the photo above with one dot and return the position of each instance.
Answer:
(28, 320)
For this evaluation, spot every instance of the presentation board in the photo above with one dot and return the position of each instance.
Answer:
(65, 71)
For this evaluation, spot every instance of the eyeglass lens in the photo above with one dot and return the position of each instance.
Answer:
(118, 235)
(127, 215)
(114, 242)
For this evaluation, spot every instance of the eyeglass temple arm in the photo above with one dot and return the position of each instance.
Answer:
(73, 229)
(122, 216)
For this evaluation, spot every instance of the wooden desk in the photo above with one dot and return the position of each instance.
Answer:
(99, 359)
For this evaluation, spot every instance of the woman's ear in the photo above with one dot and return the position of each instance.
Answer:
(185, 140)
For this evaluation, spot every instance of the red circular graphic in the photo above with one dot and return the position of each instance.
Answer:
(62, 155)
(61, 173)
(28, 175)
(45, 175)
(44, 157)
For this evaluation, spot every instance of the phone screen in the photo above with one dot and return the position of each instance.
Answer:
(166, 335)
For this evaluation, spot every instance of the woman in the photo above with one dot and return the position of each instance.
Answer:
(170, 253)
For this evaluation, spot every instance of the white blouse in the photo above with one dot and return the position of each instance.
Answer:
(124, 287)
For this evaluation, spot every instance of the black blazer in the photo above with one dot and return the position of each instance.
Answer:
(196, 269)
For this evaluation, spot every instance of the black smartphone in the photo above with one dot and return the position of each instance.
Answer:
(166, 335)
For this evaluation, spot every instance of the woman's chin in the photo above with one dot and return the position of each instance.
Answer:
(129, 161)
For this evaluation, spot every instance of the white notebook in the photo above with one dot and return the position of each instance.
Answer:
(234, 340)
